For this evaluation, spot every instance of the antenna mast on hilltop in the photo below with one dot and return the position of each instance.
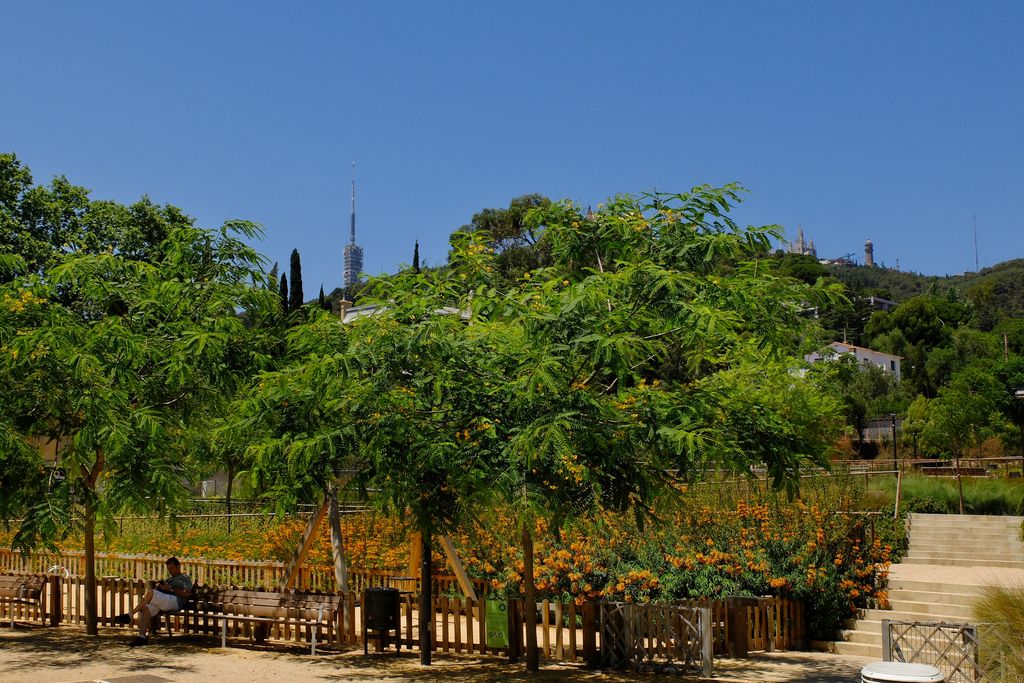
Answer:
(353, 252)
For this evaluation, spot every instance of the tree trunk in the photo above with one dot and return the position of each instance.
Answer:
(426, 602)
(90, 567)
(530, 598)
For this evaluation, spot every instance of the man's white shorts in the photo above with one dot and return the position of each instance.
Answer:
(162, 602)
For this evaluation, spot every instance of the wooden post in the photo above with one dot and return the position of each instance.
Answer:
(303, 550)
(456, 564)
(590, 635)
(707, 647)
(739, 627)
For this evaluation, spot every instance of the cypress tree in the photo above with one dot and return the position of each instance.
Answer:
(283, 292)
(416, 257)
(273, 275)
(323, 299)
(295, 299)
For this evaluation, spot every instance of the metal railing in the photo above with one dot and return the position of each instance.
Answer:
(965, 653)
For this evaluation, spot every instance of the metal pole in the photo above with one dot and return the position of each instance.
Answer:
(886, 641)
(895, 463)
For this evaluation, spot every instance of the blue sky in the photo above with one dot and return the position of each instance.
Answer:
(888, 121)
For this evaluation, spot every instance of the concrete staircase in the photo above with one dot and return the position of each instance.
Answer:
(950, 560)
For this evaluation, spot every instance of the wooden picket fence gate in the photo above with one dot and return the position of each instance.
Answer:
(651, 636)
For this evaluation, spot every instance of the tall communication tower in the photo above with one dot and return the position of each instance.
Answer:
(353, 252)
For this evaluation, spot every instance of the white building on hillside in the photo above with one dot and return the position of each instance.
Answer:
(886, 361)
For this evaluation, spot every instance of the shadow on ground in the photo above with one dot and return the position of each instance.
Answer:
(67, 654)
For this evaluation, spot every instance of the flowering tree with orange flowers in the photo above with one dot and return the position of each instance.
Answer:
(655, 345)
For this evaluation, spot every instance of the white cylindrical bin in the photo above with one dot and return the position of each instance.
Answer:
(898, 672)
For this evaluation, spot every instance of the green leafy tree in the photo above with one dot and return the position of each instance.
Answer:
(963, 415)
(918, 415)
(864, 390)
(592, 384)
(1010, 334)
(121, 359)
(913, 330)
(635, 346)
(396, 403)
(517, 242)
(1010, 375)
(803, 268)
(42, 223)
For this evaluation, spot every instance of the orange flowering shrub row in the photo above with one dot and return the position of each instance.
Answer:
(832, 562)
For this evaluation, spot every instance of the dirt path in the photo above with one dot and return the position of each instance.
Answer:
(66, 654)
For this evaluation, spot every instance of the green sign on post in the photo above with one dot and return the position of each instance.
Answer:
(497, 623)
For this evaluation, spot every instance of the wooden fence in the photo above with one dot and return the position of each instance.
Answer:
(253, 574)
(459, 622)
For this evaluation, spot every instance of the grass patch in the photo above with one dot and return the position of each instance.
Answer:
(939, 495)
(1001, 611)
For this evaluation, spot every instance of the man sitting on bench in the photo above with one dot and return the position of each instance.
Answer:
(169, 595)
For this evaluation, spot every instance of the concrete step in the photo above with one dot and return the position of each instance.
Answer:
(993, 529)
(902, 615)
(963, 553)
(1012, 528)
(987, 548)
(929, 586)
(1008, 564)
(915, 597)
(919, 521)
(945, 541)
(900, 604)
(949, 536)
(980, 554)
(855, 649)
(968, 552)
(1010, 534)
(934, 517)
(861, 636)
(991, 545)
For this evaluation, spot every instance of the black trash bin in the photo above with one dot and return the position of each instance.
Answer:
(381, 616)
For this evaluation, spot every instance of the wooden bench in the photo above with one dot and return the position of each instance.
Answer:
(262, 608)
(22, 589)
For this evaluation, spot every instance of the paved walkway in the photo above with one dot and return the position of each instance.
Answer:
(66, 654)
